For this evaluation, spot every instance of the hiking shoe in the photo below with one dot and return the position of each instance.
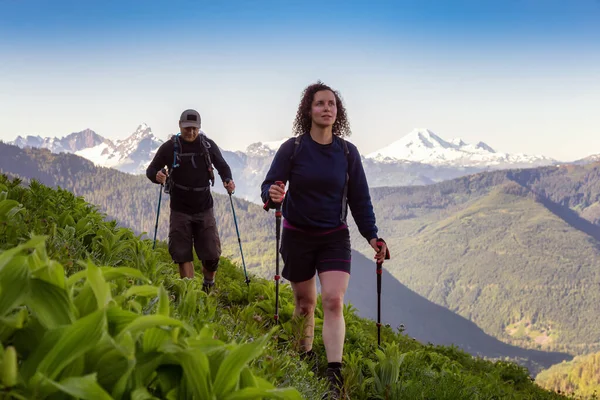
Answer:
(336, 383)
(207, 287)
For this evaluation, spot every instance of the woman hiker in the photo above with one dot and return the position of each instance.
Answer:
(323, 170)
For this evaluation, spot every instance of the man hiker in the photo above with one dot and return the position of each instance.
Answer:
(190, 156)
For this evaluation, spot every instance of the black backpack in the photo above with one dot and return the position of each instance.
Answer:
(177, 158)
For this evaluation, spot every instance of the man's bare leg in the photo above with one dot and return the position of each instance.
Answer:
(186, 270)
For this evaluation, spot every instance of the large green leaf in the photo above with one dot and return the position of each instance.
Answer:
(229, 371)
(147, 364)
(259, 394)
(142, 290)
(9, 370)
(12, 323)
(118, 319)
(85, 301)
(142, 394)
(197, 374)
(99, 286)
(207, 346)
(110, 363)
(247, 379)
(154, 339)
(82, 387)
(49, 271)
(126, 344)
(149, 321)
(169, 377)
(43, 345)
(110, 273)
(76, 368)
(14, 281)
(206, 342)
(55, 353)
(50, 304)
(122, 384)
(164, 307)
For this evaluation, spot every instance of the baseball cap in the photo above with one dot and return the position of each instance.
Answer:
(190, 118)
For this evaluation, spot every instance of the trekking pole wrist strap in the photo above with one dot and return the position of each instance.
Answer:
(270, 204)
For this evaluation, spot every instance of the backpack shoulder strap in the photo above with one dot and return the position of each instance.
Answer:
(296, 143)
(346, 151)
(176, 150)
(205, 146)
(345, 195)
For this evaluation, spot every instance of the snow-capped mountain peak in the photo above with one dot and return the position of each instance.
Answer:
(426, 138)
(71, 143)
(424, 146)
(142, 132)
(419, 145)
(261, 149)
(28, 141)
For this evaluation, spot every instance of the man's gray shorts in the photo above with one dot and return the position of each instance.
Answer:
(198, 231)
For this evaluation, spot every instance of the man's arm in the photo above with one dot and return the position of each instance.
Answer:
(161, 159)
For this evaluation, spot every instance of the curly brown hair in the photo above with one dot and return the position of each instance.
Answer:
(303, 121)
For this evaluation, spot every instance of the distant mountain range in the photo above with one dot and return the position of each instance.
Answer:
(418, 158)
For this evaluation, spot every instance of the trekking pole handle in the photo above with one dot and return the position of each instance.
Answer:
(380, 243)
(281, 185)
(226, 181)
(273, 204)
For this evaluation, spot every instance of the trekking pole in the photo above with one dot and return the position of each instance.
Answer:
(157, 214)
(379, 271)
(239, 240)
(277, 277)
(277, 234)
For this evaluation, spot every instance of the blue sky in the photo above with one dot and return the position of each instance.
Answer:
(521, 75)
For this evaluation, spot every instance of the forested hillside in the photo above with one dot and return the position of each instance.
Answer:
(510, 250)
(580, 377)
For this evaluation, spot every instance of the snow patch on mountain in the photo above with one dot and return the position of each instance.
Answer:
(424, 146)
(100, 155)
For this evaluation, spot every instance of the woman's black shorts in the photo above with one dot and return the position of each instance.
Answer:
(305, 253)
